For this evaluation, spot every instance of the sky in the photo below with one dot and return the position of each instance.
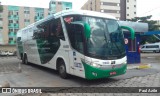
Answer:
(144, 7)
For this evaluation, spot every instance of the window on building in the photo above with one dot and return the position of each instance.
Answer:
(17, 21)
(10, 13)
(53, 2)
(26, 12)
(26, 8)
(16, 13)
(134, 5)
(1, 22)
(10, 21)
(1, 19)
(15, 16)
(26, 20)
(16, 30)
(127, 7)
(42, 15)
(10, 39)
(11, 30)
(127, 14)
(67, 8)
(26, 15)
(101, 3)
(127, 0)
(134, 12)
(59, 3)
(132, 45)
(15, 24)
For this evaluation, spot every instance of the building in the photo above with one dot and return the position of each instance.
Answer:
(13, 18)
(56, 6)
(128, 9)
(121, 9)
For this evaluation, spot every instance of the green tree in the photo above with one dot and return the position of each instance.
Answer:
(152, 26)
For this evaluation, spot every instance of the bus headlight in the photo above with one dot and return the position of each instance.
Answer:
(124, 62)
(92, 64)
(95, 65)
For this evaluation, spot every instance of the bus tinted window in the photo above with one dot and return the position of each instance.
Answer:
(74, 33)
(49, 28)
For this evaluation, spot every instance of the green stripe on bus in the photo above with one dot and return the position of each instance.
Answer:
(101, 73)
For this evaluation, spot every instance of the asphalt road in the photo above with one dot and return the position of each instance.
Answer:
(37, 76)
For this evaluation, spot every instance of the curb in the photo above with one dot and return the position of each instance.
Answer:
(144, 66)
(140, 66)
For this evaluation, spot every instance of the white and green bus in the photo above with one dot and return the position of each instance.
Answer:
(82, 43)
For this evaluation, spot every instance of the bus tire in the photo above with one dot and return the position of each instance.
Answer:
(62, 69)
(25, 59)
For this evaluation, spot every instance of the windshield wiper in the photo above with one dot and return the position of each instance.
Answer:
(117, 47)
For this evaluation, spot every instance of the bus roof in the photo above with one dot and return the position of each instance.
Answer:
(72, 12)
(84, 12)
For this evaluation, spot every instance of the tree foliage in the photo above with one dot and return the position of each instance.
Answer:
(152, 26)
(146, 19)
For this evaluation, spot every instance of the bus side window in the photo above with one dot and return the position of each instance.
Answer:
(75, 36)
(56, 29)
(42, 31)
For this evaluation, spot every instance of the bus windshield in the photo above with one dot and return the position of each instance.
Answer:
(106, 40)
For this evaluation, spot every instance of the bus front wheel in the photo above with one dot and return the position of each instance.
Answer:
(62, 69)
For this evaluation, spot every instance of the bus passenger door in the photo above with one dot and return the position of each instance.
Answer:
(77, 52)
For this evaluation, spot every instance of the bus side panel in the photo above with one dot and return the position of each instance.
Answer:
(76, 63)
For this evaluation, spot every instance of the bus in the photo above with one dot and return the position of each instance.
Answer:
(83, 43)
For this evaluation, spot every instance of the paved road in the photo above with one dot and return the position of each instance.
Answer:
(35, 76)
(49, 78)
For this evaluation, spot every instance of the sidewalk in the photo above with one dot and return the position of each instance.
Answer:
(138, 66)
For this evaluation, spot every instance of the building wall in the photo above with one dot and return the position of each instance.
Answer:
(131, 9)
(106, 6)
(56, 6)
(5, 25)
(117, 8)
(13, 18)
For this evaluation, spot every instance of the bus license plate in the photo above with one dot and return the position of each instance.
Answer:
(113, 73)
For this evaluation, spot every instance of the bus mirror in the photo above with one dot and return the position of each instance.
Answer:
(131, 30)
(87, 30)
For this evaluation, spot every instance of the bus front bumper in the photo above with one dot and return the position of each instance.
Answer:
(104, 72)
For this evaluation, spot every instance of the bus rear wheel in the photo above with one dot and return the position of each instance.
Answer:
(62, 69)
(25, 59)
